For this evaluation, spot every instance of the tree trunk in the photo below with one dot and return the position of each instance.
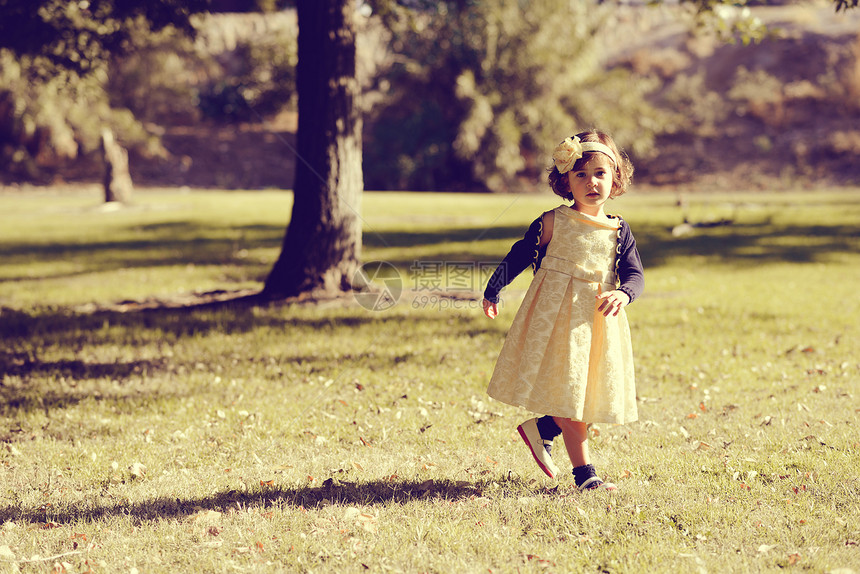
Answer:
(321, 248)
(117, 181)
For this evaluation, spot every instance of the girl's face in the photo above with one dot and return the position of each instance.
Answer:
(592, 185)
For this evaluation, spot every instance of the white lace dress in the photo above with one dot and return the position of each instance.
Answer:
(561, 357)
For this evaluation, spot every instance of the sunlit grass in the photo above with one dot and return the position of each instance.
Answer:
(332, 438)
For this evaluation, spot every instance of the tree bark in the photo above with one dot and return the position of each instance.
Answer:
(117, 181)
(322, 245)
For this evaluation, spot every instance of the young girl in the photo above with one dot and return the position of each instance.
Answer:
(568, 354)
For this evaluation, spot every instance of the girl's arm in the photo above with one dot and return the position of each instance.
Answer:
(630, 275)
(630, 271)
(522, 254)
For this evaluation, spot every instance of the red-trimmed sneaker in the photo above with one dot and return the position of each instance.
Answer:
(541, 449)
(595, 483)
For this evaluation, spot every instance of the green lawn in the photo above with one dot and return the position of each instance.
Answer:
(141, 436)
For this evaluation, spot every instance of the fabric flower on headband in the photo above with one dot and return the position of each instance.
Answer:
(571, 149)
(566, 154)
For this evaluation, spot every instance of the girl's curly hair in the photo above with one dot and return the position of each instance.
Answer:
(620, 178)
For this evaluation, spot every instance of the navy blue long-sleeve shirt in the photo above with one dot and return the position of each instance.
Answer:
(527, 251)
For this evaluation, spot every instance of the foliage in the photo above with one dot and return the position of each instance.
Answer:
(81, 36)
(698, 110)
(157, 77)
(54, 83)
(50, 114)
(258, 79)
(845, 4)
(487, 86)
(304, 437)
(53, 114)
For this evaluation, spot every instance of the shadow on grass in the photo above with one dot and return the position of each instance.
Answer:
(749, 243)
(22, 397)
(178, 244)
(741, 243)
(164, 321)
(332, 492)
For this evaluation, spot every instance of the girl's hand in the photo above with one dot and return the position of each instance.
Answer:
(490, 309)
(612, 302)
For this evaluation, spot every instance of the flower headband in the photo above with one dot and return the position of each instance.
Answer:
(571, 149)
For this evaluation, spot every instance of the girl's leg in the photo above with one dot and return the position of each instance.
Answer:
(575, 435)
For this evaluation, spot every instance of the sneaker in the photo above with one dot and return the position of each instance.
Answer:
(594, 483)
(539, 447)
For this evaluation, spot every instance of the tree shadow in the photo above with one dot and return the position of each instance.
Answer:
(750, 243)
(22, 364)
(331, 492)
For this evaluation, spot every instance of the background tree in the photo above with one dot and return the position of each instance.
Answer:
(322, 244)
(484, 86)
(54, 58)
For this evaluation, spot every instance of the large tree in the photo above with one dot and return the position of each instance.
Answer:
(322, 245)
(321, 248)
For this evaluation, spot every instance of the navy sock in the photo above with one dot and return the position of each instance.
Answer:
(547, 428)
(583, 473)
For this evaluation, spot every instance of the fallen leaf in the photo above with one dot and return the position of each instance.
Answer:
(793, 558)
(542, 562)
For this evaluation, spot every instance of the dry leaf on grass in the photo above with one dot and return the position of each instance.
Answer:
(794, 558)
(363, 520)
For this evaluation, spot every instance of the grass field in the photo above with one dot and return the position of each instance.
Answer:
(142, 435)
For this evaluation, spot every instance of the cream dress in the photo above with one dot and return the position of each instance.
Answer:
(561, 356)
